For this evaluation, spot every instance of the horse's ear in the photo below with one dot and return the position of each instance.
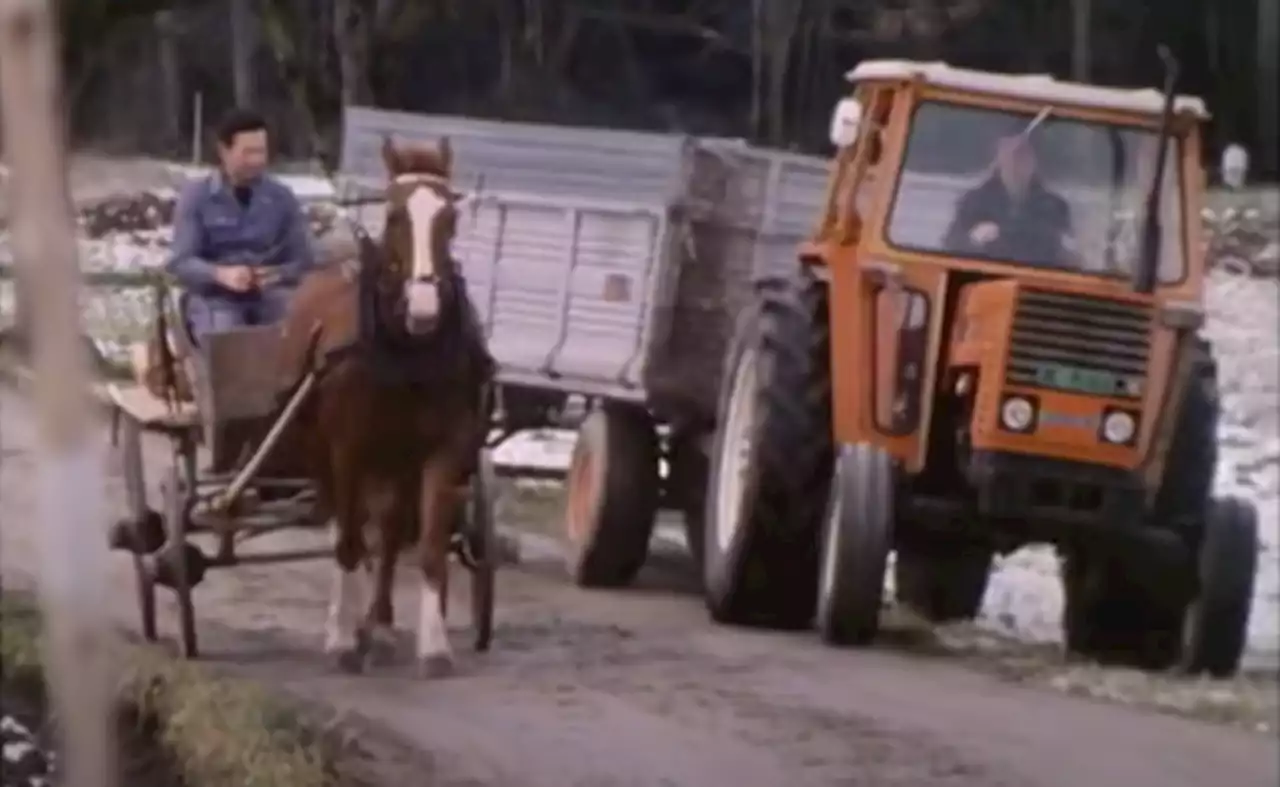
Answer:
(446, 156)
(390, 156)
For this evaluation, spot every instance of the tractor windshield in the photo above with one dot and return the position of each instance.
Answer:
(1034, 189)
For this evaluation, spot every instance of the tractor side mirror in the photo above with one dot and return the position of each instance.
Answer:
(845, 121)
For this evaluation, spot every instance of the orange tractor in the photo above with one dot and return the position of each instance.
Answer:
(991, 341)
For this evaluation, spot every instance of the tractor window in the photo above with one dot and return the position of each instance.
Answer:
(1033, 189)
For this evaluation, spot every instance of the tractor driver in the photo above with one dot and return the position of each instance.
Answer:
(1012, 215)
(241, 241)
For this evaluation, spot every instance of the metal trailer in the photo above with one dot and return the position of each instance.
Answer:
(210, 487)
(611, 266)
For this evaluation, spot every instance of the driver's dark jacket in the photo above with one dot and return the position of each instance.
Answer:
(1031, 229)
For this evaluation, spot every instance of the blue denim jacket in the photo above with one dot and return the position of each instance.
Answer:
(212, 228)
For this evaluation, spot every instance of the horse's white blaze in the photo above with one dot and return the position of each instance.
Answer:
(424, 205)
(433, 637)
(346, 606)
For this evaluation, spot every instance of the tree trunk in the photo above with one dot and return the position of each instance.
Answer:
(166, 32)
(351, 40)
(1267, 84)
(756, 120)
(243, 46)
(1081, 24)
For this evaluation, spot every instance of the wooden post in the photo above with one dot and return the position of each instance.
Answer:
(70, 481)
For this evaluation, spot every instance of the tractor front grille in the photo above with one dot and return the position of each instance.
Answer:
(1079, 343)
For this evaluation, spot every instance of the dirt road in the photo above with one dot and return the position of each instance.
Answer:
(636, 688)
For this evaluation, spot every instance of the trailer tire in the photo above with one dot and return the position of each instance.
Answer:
(771, 461)
(611, 499)
(943, 586)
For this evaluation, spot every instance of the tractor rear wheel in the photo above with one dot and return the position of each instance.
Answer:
(1216, 624)
(770, 461)
(1109, 617)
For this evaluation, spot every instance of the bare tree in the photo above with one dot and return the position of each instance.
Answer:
(1268, 84)
(1081, 24)
(244, 45)
(74, 571)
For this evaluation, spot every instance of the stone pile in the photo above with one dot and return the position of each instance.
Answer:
(24, 761)
(148, 211)
(1244, 239)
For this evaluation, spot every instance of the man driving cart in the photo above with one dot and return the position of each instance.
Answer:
(241, 241)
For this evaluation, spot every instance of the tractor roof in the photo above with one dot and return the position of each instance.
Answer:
(1032, 87)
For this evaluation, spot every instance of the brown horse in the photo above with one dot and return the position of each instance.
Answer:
(393, 427)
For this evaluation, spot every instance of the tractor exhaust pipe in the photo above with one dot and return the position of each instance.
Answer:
(1144, 273)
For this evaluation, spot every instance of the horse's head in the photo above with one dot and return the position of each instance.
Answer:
(422, 213)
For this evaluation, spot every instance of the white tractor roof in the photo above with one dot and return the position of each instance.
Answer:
(1032, 87)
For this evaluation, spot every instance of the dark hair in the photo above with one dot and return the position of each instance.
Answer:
(238, 121)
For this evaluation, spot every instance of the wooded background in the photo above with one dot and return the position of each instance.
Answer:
(769, 70)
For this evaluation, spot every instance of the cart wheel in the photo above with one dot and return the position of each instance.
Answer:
(857, 538)
(175, 513)
(484, 543)
(136, 497)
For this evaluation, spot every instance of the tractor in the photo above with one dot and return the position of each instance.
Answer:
(991, 340)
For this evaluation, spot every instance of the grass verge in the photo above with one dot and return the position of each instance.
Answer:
(219, 732)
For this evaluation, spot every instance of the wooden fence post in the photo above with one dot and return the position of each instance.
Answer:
(70, 480)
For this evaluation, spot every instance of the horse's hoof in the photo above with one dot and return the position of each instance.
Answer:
(383, 645)
(349, 661)
(438, 666)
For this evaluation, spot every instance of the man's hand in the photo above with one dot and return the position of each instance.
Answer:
(237, 278)
(265, 276)
(984, 233)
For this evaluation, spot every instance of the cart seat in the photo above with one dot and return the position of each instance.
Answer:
(150, 411)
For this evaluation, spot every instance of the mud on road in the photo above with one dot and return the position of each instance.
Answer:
(636, 688)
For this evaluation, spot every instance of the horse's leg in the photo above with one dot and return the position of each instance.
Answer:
(386, 530)
(343, 638)
(437, 507)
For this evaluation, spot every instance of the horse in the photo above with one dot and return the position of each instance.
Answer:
(395, 421)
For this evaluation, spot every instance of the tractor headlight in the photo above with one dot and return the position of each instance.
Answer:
(1119, 427)
(1017, 414)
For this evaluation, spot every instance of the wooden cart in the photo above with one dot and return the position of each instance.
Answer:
(210, 487)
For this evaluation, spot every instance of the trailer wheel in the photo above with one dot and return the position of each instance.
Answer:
(612, 496)
(1217, 620)
(857, 539)
(943, 584)
(771, 461)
